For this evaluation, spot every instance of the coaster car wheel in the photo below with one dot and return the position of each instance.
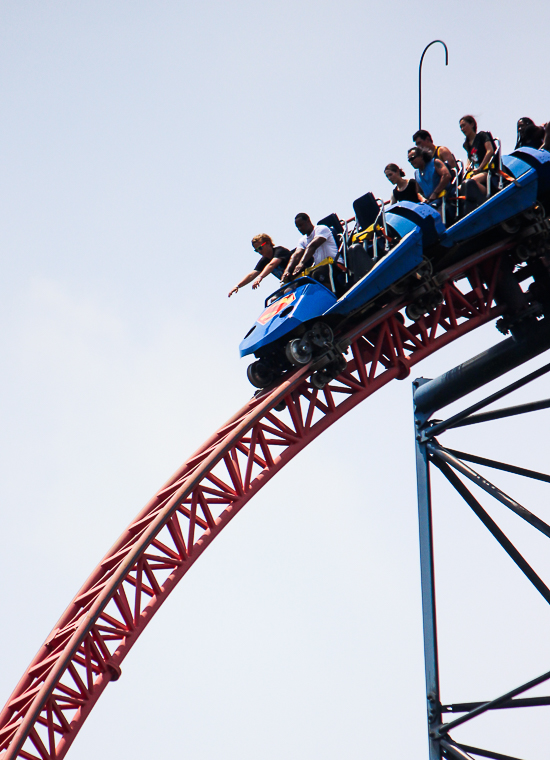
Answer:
(298, 351)
(511, 226)
(534, 214)
(414, 312)
(522, 253)
(259, 374)
(320, 378)
(400, 287)
(425, 269)
(321, 335)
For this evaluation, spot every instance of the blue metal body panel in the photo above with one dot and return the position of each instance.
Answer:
(405, 257)
(400, 224)
(422, 214)
(538, 160)
(515, 166)
(298, 303)
(503, 205)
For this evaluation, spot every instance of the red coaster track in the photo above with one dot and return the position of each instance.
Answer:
(85, 650)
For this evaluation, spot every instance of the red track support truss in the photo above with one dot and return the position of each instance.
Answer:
(85, 650)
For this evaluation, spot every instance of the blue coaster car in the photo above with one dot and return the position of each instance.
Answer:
(300, 319)
(286, 311)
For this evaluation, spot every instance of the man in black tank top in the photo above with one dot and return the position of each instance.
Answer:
(423, 139)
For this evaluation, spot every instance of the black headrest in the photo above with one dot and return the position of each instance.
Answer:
(366, 210)
(332, 221)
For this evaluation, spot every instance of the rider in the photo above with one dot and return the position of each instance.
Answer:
(405, 189)
(529, 134)
(423, 139)
(272, 257)
(431, 174)
(317, 242)
(480, 148)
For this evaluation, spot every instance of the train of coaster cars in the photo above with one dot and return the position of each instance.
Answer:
(399, 253)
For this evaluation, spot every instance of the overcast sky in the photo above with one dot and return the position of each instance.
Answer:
(142, 145)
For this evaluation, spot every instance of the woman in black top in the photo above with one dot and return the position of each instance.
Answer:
(480, 149)
(405, 189)
(529, 135)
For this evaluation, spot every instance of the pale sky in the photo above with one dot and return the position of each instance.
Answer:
(142, 145)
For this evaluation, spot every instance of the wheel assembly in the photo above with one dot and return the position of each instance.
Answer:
(414, 312)
(320, 378)
(321, 335)
(298, 351)
(522, 252)
(511, 226)
(259, 374)
(400, 287)
(425, 269)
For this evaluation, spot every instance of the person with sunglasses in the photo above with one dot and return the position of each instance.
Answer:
(431, 175)
(274, 259)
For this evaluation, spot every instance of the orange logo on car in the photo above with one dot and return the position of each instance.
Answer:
(275, 308)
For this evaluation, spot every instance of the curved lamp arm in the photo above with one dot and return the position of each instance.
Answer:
(433, 42)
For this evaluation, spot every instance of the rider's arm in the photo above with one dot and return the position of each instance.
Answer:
(317, 242)
(489, 147)
(291, 263)
(445, 178)
(265, 271)
(245, 280)
(447, 157)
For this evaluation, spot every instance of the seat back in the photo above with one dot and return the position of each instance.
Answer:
(366, 210)
(332, 221)
(495, 167)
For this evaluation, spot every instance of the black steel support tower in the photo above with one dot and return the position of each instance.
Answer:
(458, 469)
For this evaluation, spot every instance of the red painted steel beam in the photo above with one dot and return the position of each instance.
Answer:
(85, 650)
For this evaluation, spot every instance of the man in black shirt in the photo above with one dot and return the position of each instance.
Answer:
(274, 259)
(423, 140)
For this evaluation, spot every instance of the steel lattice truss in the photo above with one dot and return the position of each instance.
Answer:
(457, 468)
(85, 650)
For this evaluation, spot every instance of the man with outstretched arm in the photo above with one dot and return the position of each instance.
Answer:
(272, 257)
(317, 243)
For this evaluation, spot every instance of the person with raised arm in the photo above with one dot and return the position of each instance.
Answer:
(272, 257)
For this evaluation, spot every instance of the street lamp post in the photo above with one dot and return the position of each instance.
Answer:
(420, 76)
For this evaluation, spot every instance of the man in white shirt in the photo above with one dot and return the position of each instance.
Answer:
(317, 243)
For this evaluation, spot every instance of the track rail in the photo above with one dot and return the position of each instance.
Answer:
(85, 650)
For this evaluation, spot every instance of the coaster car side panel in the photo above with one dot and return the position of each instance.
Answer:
(506, 203)
(538, 160)
(406, 256)
(423, 215)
